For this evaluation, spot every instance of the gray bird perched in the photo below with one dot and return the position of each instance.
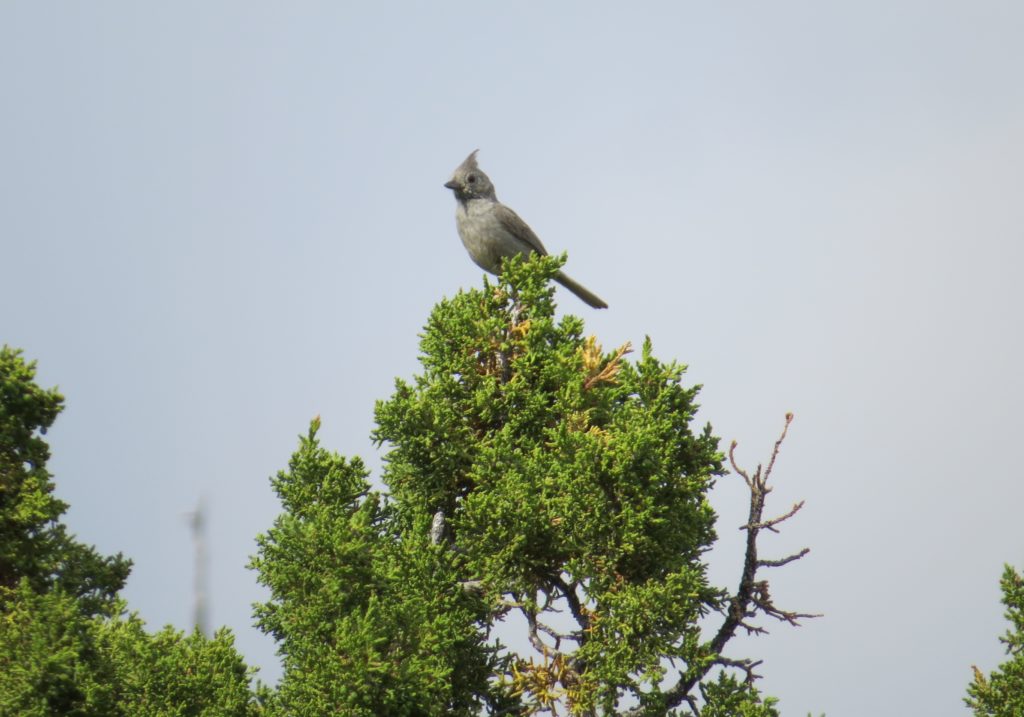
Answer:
(490, 231)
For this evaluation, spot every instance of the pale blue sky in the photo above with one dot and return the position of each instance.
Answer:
(218, 220)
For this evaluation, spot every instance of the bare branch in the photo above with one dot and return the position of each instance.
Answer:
(752, 596)
(557, 636)
(735, 467)
(573, 600)
(778, 445)
(783, 561)
(770, 524)
(752, 629)
(472, 586)
(763, 601)
(531, 621)
(437, 528)
(746, 665)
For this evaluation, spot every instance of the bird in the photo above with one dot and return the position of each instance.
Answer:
(490, 231)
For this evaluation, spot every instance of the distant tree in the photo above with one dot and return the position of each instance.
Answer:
(535, 480)
(1001, 694)
(34, 544)
(56, 661)
(67, 646)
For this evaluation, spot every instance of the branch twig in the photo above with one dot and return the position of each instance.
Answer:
(752, 596)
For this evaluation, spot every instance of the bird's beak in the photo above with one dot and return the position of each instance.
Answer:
(452, 184)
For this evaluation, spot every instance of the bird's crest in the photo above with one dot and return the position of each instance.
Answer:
(470, 162)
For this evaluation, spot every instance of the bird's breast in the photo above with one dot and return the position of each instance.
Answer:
(483, 234)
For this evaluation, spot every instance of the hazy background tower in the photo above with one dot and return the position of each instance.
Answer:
(197, 523)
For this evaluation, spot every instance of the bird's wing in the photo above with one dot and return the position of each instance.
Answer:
(515, 226)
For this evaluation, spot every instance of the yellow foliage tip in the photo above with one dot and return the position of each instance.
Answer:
(543, 681)
(521, 329)
(593, 360)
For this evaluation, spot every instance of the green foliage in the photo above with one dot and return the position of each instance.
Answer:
(43, 639)
(728, 697)
(369, 624)
(559, 464)
(171, 673)
(1002, 693)
(66, 647)
(34, 545)
(557, 477)
(56, 661)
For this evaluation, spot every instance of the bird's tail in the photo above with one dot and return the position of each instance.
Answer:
(581, 291)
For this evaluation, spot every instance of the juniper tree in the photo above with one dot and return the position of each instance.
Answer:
(1001, 694)
(67, 644)
(34, 543)
(541, 543)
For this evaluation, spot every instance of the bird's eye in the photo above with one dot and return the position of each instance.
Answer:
(471, 179)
